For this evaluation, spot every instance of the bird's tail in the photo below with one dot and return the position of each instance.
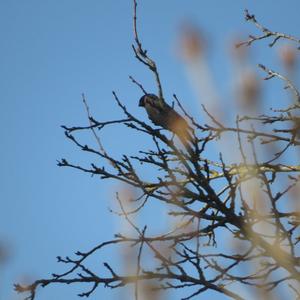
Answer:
(186, 137)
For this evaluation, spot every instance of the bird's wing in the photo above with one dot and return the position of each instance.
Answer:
(157, 111)
(175, 120)
(157, 104)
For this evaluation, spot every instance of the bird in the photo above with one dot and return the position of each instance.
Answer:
(162, 114)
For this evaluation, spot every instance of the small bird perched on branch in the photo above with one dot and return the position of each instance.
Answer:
(162, 114)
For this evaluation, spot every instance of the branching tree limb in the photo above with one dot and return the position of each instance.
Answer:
(231, 224)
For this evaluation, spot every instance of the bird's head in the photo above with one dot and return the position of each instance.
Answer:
(144, 99)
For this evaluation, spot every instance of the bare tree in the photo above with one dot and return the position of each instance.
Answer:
(232, 228)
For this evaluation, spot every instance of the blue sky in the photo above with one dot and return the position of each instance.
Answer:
(51, 52)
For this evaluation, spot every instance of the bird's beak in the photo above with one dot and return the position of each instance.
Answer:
(142, 102)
